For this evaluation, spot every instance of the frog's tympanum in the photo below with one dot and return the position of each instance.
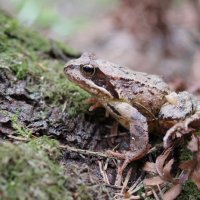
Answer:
(136, 100)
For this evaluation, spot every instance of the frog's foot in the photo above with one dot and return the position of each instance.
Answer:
(180, 129)
(127, 157)
(95, 102)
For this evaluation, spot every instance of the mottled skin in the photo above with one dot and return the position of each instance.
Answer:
(136, 100)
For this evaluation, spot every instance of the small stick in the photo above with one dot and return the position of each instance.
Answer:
(104, 175)
(126, 180)
(86, 152)
(135, 184)
(41, 66)
(141, 195)
(18, 138)
(95, 153)
(154, 194)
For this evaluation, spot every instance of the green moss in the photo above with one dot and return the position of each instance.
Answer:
(61, 92)
(19, 128)
(26, 53)
(49, 146)
(185, 153)
(17, 125)
(190, 191)
(26, 172)
(32, 171)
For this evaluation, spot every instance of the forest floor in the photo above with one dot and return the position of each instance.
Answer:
(44, 124)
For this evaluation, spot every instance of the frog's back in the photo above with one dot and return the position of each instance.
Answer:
(144, 91)
(125, 74)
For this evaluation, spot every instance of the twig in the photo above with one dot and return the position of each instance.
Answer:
(112, 186)
(155, 194)
(18, 138)
(135, 184)
(148, 193)
(42, 67)
(96, 153)
(103, 173)
(86, 152)
(119, 134)
(126, 180)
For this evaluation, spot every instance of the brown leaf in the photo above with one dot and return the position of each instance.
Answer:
(156, 180)
(167, 169)
(196, 177)
(193, 144)
(150, 167)
(191, 168)
(172, 193)
(161, 160)
(187, 165)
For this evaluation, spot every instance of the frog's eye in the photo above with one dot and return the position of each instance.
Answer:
(88, 70)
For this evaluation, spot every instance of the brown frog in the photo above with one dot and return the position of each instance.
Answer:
(136, 100)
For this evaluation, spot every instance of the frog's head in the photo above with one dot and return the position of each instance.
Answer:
(86, 72)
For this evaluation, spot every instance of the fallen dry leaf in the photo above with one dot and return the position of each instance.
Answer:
(172, 193)
(150, 167)
(186, 165)
(193, 143)
(156, 180)
(160, 161)
(191, 168)
(196, 177)
(167, 169)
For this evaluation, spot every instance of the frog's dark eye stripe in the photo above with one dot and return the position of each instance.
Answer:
(87, 70)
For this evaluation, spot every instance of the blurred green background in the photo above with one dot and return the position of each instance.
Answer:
(58, 19)
(154, 36)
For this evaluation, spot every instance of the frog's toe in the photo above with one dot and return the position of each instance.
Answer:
(117, 155)
(95, 102)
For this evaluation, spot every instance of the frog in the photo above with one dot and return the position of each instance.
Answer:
(137, 100)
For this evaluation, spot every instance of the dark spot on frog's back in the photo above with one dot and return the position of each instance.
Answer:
(150, 103)
(157, 81)
(126, 72)
(149, 78)
(141, 85)
(151, 92)
(139, 129)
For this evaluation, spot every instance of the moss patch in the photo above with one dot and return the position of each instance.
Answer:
(190, 191)
(32, 170)
(26, 172)
(26, 54)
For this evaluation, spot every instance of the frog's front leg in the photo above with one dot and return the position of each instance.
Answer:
(137, 124)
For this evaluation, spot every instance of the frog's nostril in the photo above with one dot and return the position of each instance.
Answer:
(68, 67)
(65, 69)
